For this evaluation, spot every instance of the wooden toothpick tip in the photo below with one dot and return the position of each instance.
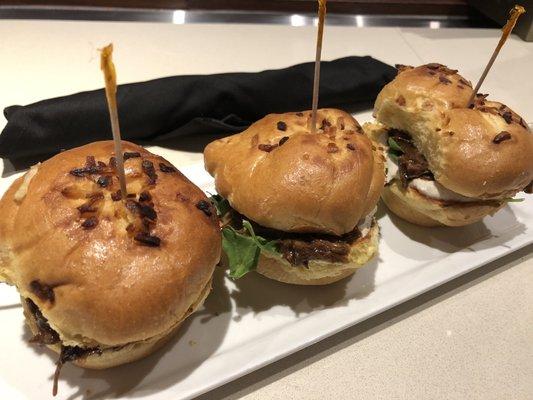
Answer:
(316, 78)
(110, 78)
(514, 14)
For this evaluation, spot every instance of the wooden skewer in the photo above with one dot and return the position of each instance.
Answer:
(110, 77)
(514, 14)
(316, 79)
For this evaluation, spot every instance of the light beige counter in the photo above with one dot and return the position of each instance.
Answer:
(470, 339)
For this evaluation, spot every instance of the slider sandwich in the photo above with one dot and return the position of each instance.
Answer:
(298, 206)
(448, 162)
(105, 277)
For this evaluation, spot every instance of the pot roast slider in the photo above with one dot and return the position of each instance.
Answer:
(449, 162)
(105, 277)
(298, 206)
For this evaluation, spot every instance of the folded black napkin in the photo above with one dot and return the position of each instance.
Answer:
(163, 111)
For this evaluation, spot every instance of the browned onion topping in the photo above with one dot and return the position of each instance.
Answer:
(167, 169)
(104, 181)
(149, 170)
(444, 80)
(507, 116)
(502, 136)
(134, 154)
(145, 196)
(267, 147)
(147, 211)
(283, 140)
(147, 239)
(116, 196)
(90, 223)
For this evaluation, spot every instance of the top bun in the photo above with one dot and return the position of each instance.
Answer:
(281, 176)
(426, 87)
(482, 152)
(93, 265)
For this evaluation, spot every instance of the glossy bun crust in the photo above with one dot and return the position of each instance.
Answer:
(281, 176)
(482, 152)
(91, 279)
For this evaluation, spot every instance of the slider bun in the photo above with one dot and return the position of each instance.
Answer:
(320, 272)
(108, 289)
(323, 182)
(411, 205)
(130, 352)
(425, 87)
(458, 142)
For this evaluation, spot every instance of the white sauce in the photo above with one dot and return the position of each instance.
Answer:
(392, 169)
(431, 189)
(435, 190)
(366, 223)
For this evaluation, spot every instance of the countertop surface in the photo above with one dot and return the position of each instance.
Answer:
(470, 338)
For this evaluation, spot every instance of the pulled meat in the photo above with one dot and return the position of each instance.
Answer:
(71, 353)
(300, 251)
(45, 335)
(300, 248)
(411, 163)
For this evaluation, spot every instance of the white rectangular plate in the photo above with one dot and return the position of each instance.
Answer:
(255, 321)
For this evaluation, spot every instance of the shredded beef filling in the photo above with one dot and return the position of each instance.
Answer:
(299, 252)
(411, 163)
(300, 248)
(47, 335)
(71, 353)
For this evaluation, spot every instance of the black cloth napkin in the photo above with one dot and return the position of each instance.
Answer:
(165, 111)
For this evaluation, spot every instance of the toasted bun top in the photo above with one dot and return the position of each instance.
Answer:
(483, 151)
(281, 176)
(427, 86)
(97, 284)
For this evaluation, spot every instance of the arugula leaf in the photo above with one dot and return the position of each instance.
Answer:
(262, 243)
(243, 249)
(393, 145)
(393, 157)
(242, 252)
(511, 200)
(220, 203)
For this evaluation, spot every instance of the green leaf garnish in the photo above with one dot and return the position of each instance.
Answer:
(221, 204)
(241, 250)
(242, 247)
(393, 145)
(511, 200)
(261, 242)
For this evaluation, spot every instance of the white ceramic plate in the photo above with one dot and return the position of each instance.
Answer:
(255, 321)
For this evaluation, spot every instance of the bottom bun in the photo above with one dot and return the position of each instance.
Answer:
(129, 352)
(412, 206)
(320, 272)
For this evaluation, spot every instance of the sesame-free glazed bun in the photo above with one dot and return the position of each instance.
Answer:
(483, 152)
(281, 176)
(119, 276)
